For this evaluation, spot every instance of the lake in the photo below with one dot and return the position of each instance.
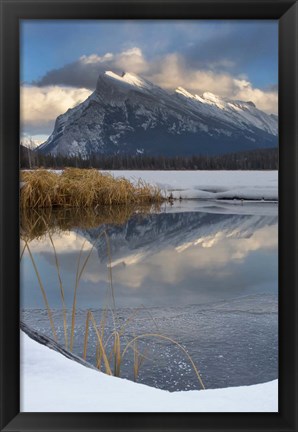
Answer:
(202, 274)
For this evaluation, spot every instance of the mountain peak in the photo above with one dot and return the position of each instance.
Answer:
(128, 78)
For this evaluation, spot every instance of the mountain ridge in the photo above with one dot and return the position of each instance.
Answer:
(127, 114)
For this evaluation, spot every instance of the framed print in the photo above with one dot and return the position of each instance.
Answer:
(148, 215)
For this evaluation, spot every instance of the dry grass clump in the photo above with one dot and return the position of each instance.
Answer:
(82, 188)
(39, 189)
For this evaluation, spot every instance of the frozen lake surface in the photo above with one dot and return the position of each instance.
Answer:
(233, 343)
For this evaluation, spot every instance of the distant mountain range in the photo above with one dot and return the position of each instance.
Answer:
(129, 115)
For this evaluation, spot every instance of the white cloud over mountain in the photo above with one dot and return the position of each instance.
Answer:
(63, 88)
(40, 106)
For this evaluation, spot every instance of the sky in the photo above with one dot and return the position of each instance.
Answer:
(61, 60)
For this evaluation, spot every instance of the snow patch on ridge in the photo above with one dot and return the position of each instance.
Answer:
(129, 78)
(184, 92)
(239, 113)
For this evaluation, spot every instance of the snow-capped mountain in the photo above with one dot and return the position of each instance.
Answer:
(30, 143)
(129, 115)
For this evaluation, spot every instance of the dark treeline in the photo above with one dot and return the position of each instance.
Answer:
(261, 159)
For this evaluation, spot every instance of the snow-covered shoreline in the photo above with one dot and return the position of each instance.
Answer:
(210, 185)
(224, 186)
(52, 383)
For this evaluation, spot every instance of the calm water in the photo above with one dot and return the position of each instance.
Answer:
(203, 275)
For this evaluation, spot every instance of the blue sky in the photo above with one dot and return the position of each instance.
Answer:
(230, 58)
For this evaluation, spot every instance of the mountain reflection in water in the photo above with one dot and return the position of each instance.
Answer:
(208, 278)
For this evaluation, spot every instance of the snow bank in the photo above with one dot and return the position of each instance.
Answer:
(236, 207)
(53, 383)
(249, 185)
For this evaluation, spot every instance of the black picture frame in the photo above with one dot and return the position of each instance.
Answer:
(12, 11)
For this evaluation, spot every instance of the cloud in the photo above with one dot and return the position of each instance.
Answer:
(40, 106)
(64, 88)
(83, 73)
(173, 72)
(168, 71)
(66, 242)
(265, 100)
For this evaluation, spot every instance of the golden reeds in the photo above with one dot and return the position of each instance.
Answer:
(160, 336)
(75, 187)
(79, 273)
(118, 354)
(43, 292)
(61, 292)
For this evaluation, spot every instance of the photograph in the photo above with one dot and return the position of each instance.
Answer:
(148, 197)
